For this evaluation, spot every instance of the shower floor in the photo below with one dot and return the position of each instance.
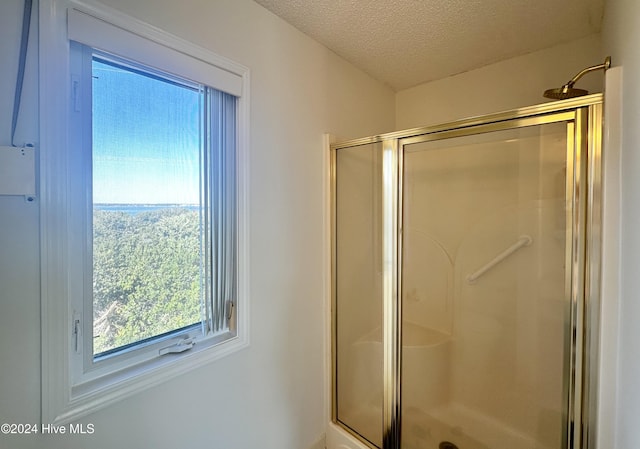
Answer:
(454, 423)
(422, 430)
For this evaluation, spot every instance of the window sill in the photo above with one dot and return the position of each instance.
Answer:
(95, 394)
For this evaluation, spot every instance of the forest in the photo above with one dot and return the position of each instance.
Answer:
(146, 274)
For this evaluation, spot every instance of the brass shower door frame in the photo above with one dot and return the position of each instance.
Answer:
(583, 117)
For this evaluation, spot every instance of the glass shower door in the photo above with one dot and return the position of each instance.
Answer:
(465, 281)
(357, 285)
(486, 288)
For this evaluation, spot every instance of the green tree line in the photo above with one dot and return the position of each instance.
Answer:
(146, 274)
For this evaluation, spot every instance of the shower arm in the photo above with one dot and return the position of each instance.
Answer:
(605, 66)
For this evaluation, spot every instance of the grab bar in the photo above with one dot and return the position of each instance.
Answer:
(523, 240)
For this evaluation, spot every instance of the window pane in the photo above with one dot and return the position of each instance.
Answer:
(147, 206)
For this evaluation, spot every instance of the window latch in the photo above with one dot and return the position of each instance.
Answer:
(230, 307)
(75, 329)
(183, 345)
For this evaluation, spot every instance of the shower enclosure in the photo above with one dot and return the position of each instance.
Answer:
(465, 281)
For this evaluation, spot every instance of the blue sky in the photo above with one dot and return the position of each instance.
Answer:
(146, 138)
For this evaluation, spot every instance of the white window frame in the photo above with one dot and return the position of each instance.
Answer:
(68, 394)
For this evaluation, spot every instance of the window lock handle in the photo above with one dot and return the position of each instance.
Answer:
(183, 345)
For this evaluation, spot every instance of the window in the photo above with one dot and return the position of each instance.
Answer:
(162, 228)
(147, 199)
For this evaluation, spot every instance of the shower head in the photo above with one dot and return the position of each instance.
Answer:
(564, 92)
(568, 91)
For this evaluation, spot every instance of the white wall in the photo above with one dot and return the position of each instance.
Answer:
(505, 85)
(270, 395)
(621, 34)
(19, 252)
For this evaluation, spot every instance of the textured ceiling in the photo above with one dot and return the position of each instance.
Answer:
(408, 42)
